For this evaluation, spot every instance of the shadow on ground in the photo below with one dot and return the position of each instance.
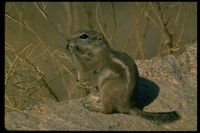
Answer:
(147, 92)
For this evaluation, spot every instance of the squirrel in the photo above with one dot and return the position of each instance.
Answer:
(117, 76)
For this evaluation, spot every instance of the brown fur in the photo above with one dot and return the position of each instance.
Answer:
(117, 75)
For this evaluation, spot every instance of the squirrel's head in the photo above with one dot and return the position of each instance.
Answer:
(88, 46)
(87, 38)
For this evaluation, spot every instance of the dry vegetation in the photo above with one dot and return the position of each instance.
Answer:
(25, 78)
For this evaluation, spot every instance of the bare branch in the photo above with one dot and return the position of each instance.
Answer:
(131, 32)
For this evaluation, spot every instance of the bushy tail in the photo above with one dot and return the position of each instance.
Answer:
(158, 118)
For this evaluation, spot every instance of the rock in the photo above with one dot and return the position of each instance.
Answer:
(166, 84)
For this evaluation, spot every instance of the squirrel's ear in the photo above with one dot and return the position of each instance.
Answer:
(99, 36)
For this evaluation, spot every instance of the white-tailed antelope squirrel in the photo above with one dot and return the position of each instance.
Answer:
(117, 76)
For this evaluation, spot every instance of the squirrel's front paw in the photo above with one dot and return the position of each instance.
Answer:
(69, 46)
(88, 106)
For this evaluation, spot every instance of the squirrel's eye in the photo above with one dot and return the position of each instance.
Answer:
(84, 36)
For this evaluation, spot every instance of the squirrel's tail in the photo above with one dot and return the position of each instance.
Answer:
(158, 118)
